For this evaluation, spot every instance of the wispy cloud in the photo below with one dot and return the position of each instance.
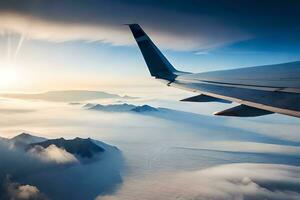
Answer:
(171, 29)
(251, 147)
(201, 53)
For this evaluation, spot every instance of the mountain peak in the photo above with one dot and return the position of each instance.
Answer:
(23, 135)
(26, 138)
(144, 108)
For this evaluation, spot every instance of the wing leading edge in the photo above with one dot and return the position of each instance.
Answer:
(259, 90)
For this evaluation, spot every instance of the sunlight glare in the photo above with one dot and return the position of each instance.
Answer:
(8, 76)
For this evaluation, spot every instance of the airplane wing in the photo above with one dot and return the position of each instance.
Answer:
(259, 90)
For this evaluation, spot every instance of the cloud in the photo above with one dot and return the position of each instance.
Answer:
(16, 191)
(224, 182)
(53, 154)
(251, 147)
(13, 111)
(57, 31)
(155, 152)
(275, 128)
(180, 25)
(173, 29)
(201, 52)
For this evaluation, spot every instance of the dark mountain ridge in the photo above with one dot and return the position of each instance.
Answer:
(85, 148)
(121, 108)
(24, 139)
(82, 148)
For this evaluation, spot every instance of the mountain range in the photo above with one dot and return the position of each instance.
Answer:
(66, 95)
(121, 108)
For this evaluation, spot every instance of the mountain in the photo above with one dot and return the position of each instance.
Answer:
(113, 107)
(84, 148)
(24, 139)
(89, 105)
(74, 103)
(129, 97)
(121, 108)
(65, 95)
(144, 108)
(2, 139)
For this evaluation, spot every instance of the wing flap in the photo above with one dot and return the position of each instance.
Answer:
(243, 111)
(205, 98)
(276, 102)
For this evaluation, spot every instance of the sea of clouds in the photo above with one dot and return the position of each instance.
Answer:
(165, 155)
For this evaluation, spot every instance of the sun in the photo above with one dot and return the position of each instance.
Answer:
(8, 76)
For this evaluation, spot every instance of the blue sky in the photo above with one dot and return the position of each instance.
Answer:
(83, 44)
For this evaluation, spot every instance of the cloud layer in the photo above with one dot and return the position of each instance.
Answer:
(157, 168)
(224, 182)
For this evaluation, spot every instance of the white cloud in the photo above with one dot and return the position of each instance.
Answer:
(16, 191)
(201, 52)
(53, 154)
(36, 28)
(276, 128)
(225, 182)
(26, 191)
(251, 147)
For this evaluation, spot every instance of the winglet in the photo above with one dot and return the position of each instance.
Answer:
(136, 30)
(157, 63)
